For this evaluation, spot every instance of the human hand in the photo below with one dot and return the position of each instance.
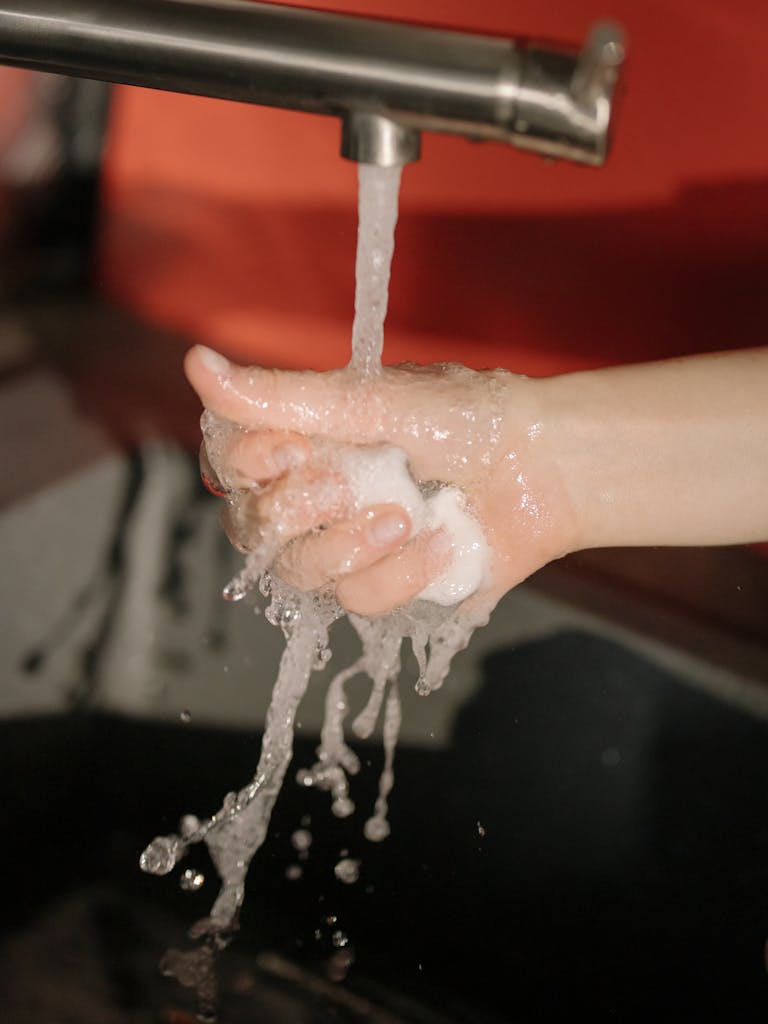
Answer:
(482, 432)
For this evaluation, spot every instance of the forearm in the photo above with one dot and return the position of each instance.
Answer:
(667, 453)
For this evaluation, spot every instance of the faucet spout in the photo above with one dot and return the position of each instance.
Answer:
(386, 81)
(373, 138)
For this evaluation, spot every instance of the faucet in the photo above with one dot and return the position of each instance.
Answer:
(386, 81)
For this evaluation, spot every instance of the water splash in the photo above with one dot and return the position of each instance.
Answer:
(239, 827)
(435, 626)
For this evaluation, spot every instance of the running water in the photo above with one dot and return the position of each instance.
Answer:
(433, 623)
(378, 192)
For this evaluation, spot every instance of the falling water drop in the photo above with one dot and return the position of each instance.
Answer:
(159, 858)
(347, 870)
(301, 839)
(376, 829)
(191, 880)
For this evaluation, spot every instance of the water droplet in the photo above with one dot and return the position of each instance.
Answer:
(236, 589)
(301, 839)
(343, 807)
(339, 964)
(376, 829)
(294, 872)
(185, 716)
(322, 655)
(422, 687)
(265, 584)
(347, 870)
(480, 830)
(289, 616)
(306, 820)
(339, 939)
(191, 880)
(159, 858)
(188, 825)
(273, 614)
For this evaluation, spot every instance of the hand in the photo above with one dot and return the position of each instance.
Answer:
(480, 431)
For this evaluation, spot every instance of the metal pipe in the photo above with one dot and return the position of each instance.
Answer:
(386, 81)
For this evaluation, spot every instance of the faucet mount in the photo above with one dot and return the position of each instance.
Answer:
(386, 81)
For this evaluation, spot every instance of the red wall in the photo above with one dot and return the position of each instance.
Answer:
(236, 225)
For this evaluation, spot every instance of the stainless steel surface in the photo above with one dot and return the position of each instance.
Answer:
(551, 101)
(375, 139)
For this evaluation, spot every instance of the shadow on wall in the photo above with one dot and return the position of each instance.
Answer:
(539, 294)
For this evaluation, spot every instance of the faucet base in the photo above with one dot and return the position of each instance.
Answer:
(371, 138)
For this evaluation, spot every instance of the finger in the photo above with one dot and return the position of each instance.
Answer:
(396, 579)
(347, 547)
(321, 404)
(260, 456)
(209, 476)
(303, 500)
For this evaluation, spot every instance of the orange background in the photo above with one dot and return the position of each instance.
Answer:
(236, 225)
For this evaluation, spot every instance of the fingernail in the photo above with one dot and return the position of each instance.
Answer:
(213, 361)
(387, 528)
(288, 456)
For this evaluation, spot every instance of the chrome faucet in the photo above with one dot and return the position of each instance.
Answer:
(386, 81)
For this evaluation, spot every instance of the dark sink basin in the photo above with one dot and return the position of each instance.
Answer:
(594, 839)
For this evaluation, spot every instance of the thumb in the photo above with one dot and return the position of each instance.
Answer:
(318, 404)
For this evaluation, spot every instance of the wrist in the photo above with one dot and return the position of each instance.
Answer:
(536, 492)
(578, 448)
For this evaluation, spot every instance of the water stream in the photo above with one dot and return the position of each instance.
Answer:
(436, 631)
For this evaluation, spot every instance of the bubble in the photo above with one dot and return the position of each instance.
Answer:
(185, 716)
(339, 939)
(294, 872)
